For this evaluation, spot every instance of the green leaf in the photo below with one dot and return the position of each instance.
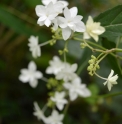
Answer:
(112, 21)
(32, 3)
(18, 25)
(112, 60)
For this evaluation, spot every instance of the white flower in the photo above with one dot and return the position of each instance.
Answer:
(34, 46)
(46, 2)
(76, 88)
(38, 112)
(67, 73)
(71, 22)
(30, 75)
(55, 66)
(59, 100)
(46, 14)
(111, 80)
(93, 29)
(55, 118)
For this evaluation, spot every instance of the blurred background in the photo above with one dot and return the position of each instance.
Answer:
(17, 23)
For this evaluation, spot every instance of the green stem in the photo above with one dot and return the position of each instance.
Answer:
(65, 57)
(45, 43)
(104, 50)
(100, 76)
(106, 95)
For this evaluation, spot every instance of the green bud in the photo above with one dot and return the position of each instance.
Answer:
(89, 68)
(93, 57)
(61, 52)
(98, 67)
(91, 61)
(83, 45)
(65, 50)
(90, 73)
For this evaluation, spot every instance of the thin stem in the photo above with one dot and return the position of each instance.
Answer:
(44, 79)
(65, 57)
(106, 95)
(100, 76)
(45, 43)
(104, 50)
(100, 56)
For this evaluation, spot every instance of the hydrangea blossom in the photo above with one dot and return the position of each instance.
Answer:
(34, 46)
(67, 73)
(55, 118)
(55, 66)
(93, 29)
(30, 75)
(59, 100)
(71, 22)
(111, 80)
(76, 89)
(46, 14)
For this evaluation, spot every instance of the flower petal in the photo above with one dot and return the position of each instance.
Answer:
(73, 11)
(66, 32)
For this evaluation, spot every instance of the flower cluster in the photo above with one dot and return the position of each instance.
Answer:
(72, 86)
(48, 15)
(65, 85)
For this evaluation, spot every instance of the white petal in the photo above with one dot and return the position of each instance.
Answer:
(67, 13)
(65, 3)
(33, 83)
(109, 86)
(60, 106)
(66, 32)
(40, 10)
(24, 78)
(67, 85)
(47, 22)
(95, 36)
(38, 75)
(41, 23)
(62, 22)
(105, 83)
(80, 27)
(99, 31)
(32, 66)
(86, 35)
(73, 96)
(74, 67)
(89, 21)
(77, 18)
(111, 74)
(73, 11)
(42, 18)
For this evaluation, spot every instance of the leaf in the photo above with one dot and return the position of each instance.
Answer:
(112, 21)
(18, 25)
(32, 3)
(112, 60)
